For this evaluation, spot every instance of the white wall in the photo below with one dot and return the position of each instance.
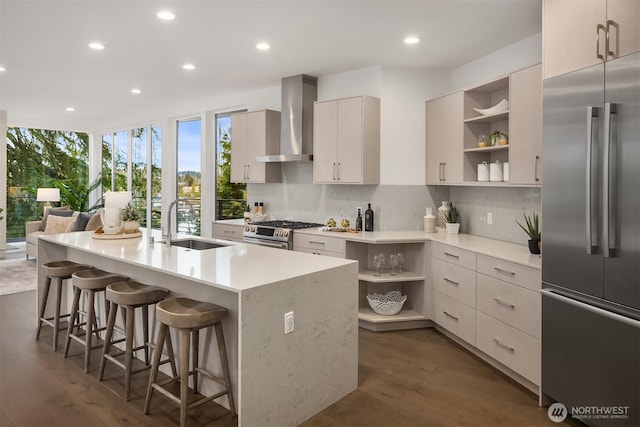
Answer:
(3, 181)
(516, 56)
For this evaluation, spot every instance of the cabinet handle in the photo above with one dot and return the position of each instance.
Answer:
(610, 52)
(443, 171)
(499, 270)
(451, 255)
(450, 281)
(506, 304)
(248, 172)
(338, 169)
(598, 28)
(315, 242)
(229, 232)
(535, 168)
(503, 345)
(334, 171)
(450, 316)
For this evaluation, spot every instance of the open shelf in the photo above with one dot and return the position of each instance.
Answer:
(368, 315)
(489, 118)
(369, 276)
(485, 149)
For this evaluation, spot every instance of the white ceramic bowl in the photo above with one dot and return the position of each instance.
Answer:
(500, 107)
(387, 304)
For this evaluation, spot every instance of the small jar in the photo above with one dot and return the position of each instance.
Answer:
(503, 139)
(482, 141)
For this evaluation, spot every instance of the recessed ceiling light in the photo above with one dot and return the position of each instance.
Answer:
(2, 69)
(136, 91)
(165, 15)
(70, 109)
(189, 67)
(263, 46)
(96, 45)
(411, 40)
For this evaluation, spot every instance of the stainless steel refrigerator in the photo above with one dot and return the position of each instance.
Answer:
(591, 242)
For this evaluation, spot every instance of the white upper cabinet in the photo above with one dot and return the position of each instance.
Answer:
(346, 141)
(444, 133)
(525, 126)
(255, 134)
(575, 33)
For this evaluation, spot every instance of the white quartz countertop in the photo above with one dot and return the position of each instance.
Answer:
(235, 267)
(482, 245)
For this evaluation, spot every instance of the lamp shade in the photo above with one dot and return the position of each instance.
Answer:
(48, 195)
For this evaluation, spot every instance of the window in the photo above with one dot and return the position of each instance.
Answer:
(125, 166)
(231, 198)
(189, 181)
(44, 158)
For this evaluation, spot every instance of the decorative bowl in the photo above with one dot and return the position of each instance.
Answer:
(500, 107)
(387, 304)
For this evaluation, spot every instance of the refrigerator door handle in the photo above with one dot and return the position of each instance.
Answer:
(589, 196)
(609, 172)
(591, 308)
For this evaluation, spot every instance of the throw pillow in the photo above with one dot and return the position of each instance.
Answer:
(43, 224)
(82, 220)
(94, 223)
(57, 224)
(72, 225)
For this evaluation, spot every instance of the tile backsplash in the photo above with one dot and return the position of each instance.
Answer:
(396, 207)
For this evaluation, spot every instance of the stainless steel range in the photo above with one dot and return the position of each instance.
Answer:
(275, 234)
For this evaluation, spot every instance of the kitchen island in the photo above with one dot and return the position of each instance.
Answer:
(277, 379)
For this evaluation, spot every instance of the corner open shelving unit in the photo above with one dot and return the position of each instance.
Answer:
(475, 124)
(410, 282)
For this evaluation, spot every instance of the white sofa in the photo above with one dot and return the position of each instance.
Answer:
(33, 232)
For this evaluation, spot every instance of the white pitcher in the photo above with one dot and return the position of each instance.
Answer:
(110, 218)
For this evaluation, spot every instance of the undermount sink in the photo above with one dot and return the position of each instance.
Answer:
(196, 244)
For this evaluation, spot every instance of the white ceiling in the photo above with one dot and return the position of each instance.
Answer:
(44, 48)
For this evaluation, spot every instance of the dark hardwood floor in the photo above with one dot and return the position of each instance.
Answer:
(409, 378)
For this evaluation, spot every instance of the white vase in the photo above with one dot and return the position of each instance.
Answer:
(443, 211)
(130, 226)
(429, 221)
(452, 228)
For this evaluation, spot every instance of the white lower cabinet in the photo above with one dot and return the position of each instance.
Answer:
(319, 245)
(490, 303)
(227, 232)
(454, 316)
(509, 346)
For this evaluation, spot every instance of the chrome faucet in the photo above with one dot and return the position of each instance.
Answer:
(167, 237)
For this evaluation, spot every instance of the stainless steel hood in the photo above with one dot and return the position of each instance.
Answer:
(296, 132)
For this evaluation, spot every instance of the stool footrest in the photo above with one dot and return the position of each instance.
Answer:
(157, 387)
(210, 376)
(206, 399)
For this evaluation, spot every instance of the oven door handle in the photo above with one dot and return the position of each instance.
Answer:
(279, 245)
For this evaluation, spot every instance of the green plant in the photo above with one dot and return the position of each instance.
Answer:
(130, 213)
(453, 216)
(532, 229)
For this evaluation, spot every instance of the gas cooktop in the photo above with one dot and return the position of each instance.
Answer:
(291, 225)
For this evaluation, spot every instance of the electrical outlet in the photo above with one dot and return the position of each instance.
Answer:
(489, 218)
(288, 322)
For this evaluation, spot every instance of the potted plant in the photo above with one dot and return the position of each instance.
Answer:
(453, 220)
(533, 231)
(130, 216)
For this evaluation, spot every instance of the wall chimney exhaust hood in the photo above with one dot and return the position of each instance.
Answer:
(296, 132)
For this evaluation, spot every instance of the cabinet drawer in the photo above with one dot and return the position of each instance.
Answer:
(454, 281)
(464, 258)
(511, 304)
(227, 232)
(509, 346)
(318, 252)
(454, 316)
(521, 275)
(331, 244)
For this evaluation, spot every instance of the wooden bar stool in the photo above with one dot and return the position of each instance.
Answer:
(90, 281)
(58, 271)
(129, 295)
(188, 317)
